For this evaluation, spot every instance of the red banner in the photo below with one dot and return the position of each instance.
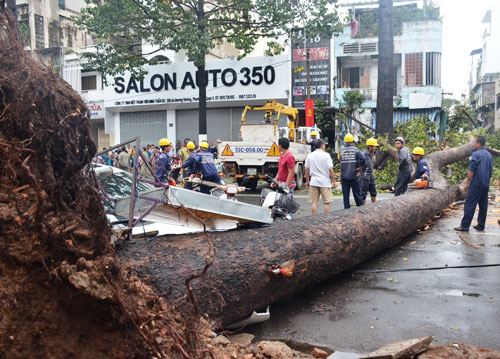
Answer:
(310, 113)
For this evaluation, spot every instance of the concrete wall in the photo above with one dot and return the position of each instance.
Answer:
(491, 45)
(497, 105)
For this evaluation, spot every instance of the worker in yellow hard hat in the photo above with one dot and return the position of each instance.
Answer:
(183, 152)
(367, 177)
(351, 162)
(163, 166)
(422, 171)
(188, 165)
(204, 164)
(314, 136)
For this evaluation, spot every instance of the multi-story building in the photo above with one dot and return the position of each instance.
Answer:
(497, 104)
(417, 63)
(48, 30)
(485, 71)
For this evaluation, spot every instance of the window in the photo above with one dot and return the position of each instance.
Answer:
(413, 69)
(89, 83)
(62, 4)
(433, 69)
(39, 32)
(356, 77)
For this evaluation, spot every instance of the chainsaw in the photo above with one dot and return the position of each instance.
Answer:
(420, 184)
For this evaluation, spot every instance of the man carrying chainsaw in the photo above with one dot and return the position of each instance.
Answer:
(204, 164)
(422, 171)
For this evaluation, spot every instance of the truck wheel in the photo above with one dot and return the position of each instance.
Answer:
(300, 178)
(252, 183)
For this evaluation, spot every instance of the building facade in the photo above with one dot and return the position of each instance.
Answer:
(48, 30)
(485, 71)
(417, 66)
(165, 102)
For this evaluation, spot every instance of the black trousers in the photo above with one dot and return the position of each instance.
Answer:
(476, 195)
(356, 192)
(402, 183)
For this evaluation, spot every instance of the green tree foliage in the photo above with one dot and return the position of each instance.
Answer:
(197, 27)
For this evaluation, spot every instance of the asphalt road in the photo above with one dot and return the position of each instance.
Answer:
(360, 312)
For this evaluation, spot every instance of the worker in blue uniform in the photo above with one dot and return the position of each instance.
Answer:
(204, 164)
(477, 186)
(312, 143)
(422, 171)
(188, 165)
(163, 166)
(351, 162)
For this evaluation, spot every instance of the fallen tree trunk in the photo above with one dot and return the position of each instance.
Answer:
(315, 248)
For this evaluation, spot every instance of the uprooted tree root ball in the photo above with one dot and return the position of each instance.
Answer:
(62, 293)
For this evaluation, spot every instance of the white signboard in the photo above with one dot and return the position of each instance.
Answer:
(253, 78)
(96, 110)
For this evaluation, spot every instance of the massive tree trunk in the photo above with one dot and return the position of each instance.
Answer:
(320, 247)
(385, 82)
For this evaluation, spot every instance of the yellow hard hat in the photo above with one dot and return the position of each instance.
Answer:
(314, 133)
(164, 142)
(372, 142)
(418, 151)
(204, 144)
(348, 138)
(190, 145)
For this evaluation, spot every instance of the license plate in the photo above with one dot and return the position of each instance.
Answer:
(252, 171)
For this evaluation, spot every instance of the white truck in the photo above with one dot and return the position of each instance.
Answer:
(257, 154)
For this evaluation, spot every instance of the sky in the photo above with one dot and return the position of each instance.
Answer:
(462, 33)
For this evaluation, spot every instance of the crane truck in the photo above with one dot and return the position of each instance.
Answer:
(257, 155)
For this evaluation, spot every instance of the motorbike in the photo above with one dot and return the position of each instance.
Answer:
(276, 198)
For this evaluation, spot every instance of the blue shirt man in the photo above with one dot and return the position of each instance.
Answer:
(163, 166)
(477, 186)
(422, 171)
(204, 164)
(351, 161)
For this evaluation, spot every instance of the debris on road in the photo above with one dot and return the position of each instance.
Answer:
(458, 351)
(404, 349)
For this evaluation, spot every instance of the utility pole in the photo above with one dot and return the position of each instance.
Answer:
(308, 67)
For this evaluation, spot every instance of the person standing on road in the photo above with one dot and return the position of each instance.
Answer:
(351, 161)
(404, 168)
(124, 159)
(189, 164)
(320, 177)
(312, 143)
(286, 166)
(367, 178)
(183, 152)
(163, 166)
(477, 186)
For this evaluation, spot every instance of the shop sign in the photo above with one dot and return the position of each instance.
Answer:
(227, 80)
(318, 50)
(96, 110)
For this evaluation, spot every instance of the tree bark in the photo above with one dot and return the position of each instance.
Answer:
(320, 246)
(385, 82)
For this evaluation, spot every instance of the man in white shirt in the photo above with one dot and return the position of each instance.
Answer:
(320, 177)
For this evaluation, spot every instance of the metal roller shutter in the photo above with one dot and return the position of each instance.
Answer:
(151, 126)
(218, 124)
